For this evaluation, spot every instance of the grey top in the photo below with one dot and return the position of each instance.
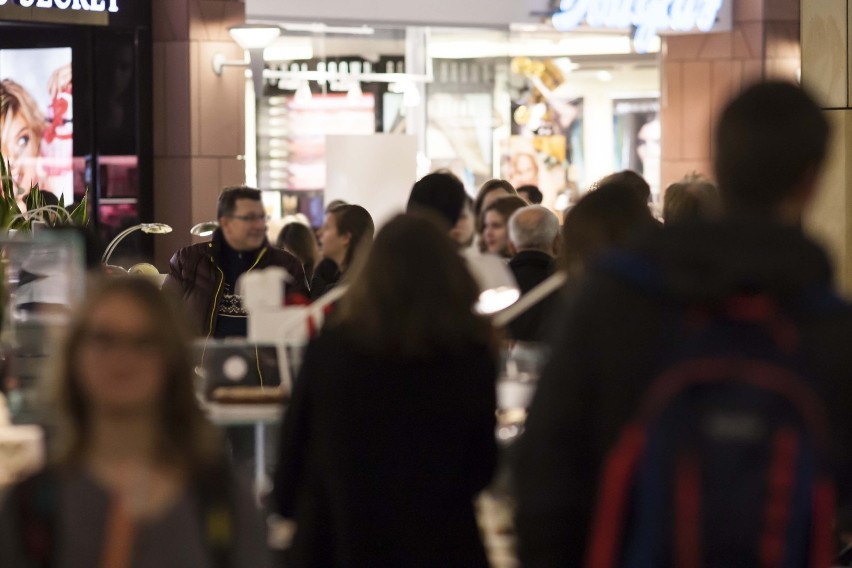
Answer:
(173, 540)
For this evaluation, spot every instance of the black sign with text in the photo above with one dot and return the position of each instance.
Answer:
(115, 13)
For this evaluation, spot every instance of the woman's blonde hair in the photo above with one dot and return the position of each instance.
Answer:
(186, 437)
(14, 99)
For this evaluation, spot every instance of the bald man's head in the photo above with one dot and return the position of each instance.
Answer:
(534, 228)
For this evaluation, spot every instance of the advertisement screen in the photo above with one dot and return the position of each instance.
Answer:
(36, 119)
(637, 138)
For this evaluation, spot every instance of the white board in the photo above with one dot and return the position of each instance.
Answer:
(375, 172)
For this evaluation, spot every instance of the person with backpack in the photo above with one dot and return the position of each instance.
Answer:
(138, 476)
(695, 411)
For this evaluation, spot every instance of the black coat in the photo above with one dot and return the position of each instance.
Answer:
(531, 268)
(381, 456)
(326, 276)
(603, 361)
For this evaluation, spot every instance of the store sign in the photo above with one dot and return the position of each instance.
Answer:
(80, 5)
(648, 17)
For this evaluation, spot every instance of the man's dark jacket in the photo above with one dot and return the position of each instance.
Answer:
(604, 359)
(196, 273)
(531, 268)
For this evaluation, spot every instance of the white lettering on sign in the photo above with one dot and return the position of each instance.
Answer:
(648, 16)
(84, 5)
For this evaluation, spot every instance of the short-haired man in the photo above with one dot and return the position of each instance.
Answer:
(693, 197)
(770, 144)
(534, 242)
(531, 193)
(206, 273)
(442, 195)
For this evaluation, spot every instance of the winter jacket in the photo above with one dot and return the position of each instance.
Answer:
(604, 359)
(195, 272)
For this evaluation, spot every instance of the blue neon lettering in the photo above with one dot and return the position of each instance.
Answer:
(571, 14)
(649, 16)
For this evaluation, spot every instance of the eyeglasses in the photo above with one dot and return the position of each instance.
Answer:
(250, 218)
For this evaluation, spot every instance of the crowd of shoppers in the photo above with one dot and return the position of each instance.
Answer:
(389, 433)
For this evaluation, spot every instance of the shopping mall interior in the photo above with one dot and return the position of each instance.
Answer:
(194, 144)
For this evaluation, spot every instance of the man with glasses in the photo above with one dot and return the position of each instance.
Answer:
(206, 273)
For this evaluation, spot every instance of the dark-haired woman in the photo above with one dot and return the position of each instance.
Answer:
(347, 231)
(390, 433)
(139, 478)
(495, 224)
(299, 240)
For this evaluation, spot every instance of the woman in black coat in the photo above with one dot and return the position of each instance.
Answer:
(390, 432)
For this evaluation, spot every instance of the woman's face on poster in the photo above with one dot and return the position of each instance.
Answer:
(20, 146)
(525, 170)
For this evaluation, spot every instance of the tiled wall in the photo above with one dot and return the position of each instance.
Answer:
(825, 26)
(701, 72)
(198, 117)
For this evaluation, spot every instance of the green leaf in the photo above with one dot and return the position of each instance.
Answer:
(35, 199)
(5, 174)
(80, 214)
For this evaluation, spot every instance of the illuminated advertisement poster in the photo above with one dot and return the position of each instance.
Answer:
(637, 138)
(311, 121)
(545, 148)
(36, 119)
(458, 134)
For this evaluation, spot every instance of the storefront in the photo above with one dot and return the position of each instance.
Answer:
(525, 102)
(80, 73)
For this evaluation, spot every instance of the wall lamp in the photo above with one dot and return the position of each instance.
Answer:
(149, 228)
(253, 38)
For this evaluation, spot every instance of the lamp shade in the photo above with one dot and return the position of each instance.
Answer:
(149, 228)
(155, 228)
(497, 286)
(204, 229)
(254, 36)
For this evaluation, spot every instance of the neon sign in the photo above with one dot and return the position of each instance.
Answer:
(82, 5)
(647, 16)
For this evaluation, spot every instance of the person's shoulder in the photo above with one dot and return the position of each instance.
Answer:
(197, 250)
(533, 256)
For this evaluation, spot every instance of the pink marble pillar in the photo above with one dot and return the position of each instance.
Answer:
(199, 117)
